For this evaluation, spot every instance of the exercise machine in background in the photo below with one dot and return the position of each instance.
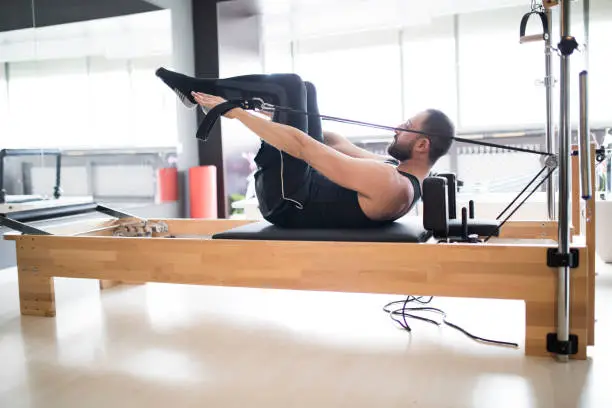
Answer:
(20, 212)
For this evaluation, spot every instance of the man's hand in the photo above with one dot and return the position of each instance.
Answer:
(210, 101)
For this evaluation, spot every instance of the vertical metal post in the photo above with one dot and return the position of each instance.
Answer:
(586, 19)
(550, 144)
(585, 140)
(57, 189)
(563, 281)
(2, 191)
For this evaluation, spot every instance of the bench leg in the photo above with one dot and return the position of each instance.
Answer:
(36, 294)
(540, 317)
(107, 284)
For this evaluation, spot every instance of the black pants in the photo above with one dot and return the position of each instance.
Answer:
(282, 182)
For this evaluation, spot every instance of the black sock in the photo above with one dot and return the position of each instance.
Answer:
(183, 85)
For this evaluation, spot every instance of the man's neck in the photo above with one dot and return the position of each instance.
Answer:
(418, 169)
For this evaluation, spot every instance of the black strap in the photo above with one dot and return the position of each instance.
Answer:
(543, 18)
(215, 113)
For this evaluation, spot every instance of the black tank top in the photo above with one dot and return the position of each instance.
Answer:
(332, 206)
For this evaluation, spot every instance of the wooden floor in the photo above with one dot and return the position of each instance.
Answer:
(160, 345)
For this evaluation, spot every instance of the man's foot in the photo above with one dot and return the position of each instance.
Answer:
(183, 85)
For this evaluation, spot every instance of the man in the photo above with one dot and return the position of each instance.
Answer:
(312, 179)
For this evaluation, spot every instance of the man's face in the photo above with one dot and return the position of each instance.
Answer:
(403, 144)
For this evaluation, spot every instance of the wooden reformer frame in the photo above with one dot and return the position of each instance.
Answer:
(512, 266)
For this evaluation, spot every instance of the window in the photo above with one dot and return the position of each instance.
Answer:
(429, 68)
(90, 103)
(153, 120)
(356, 78)
(497, 74)
(48, 103)
(89, 85)
(600, 62)
(277, 57)
(109, 100)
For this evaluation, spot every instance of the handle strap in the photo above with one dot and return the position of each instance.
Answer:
(215, 113)
(535, 37)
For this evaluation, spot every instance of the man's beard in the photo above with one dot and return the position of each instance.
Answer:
(399, 153)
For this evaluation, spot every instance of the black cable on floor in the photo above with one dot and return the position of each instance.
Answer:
(404, 311)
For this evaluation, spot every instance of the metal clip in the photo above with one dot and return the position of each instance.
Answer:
(265, 106)
(551, 162)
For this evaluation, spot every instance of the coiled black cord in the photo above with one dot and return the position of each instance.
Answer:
(402, 310)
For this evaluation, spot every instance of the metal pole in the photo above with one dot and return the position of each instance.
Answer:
(550, 145)
(563, 281)
(586, 19)
(2, 191)
(57, 189)
(585, 139)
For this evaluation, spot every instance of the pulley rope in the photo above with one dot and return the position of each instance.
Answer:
(268, 107)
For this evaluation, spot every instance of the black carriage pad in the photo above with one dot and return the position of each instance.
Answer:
(407, 229)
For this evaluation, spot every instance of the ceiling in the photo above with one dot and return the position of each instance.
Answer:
(296, 7)
(19, 14)
(300, 19)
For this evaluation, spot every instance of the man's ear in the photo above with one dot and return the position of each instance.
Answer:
(423, 144)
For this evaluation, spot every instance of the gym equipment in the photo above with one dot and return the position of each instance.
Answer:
(404, 257)
(516, 264)
(4, 198)
(544, 12)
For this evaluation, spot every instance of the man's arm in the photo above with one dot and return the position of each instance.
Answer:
(368, 177)
(343, 145)
(365, 176)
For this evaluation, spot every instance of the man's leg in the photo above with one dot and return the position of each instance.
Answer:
(282, 181)
(315, 129)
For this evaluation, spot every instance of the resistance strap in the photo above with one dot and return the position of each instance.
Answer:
(258, 104)
(221, 109)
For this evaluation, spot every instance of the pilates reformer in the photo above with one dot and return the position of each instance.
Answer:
(434, 255)
(438, 255)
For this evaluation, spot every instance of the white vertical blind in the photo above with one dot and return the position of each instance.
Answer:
(153, 120)
(492, 83)
(109, 101)
(277, 57)
(89, 103)
(497, 74)
(48, 103)
(600, 63)
(429, 67)
(356, 78)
